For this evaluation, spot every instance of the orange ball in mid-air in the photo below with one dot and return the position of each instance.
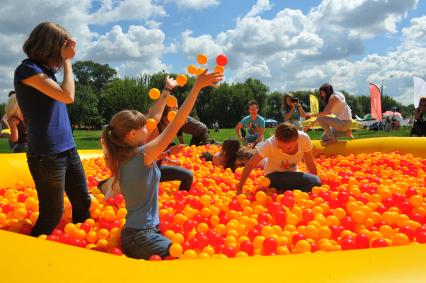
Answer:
(202, 59)
(154, 93)
(181, 80)
(171, 101)
(192, 69)
(219, 69)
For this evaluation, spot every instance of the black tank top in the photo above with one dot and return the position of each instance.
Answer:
(22, 131)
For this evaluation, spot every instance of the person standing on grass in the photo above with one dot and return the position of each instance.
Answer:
(15, 121)
(52, 155)
(419, 126)
(255, 125)
(3, 122)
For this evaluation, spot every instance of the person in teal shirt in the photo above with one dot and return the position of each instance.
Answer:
(255, 125)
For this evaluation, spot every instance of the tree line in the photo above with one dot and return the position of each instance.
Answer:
(100, 93)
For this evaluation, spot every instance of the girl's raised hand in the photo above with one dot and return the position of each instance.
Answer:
(69, 49)
(171, 83)
(205, 80)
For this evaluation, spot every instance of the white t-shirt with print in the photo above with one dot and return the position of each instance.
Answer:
(278, 161)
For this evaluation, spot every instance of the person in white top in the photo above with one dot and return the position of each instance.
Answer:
(333, 127)
(283, 151)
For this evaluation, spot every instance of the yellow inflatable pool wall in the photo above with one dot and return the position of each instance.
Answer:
(26, 259)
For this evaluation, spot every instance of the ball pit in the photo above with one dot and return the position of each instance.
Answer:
(366, 201)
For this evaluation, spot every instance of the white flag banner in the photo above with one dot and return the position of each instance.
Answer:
(419, 89)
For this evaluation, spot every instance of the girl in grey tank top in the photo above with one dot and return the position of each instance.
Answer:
(132, 162)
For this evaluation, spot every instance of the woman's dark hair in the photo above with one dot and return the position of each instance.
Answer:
(206, 155)
(286, 107)
(45, 43)
(329, 91)
(230, 150)
(422, 99)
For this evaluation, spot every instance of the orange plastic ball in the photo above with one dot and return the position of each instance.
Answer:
(151, 124)
(192, 69)
(171, 101)
(171, 115)
(202, 59)
(181, 80)
(154, 93)
(176, 250)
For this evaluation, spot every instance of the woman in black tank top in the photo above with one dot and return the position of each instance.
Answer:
(18, 137)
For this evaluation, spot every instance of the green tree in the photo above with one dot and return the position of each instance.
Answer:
(273, 106)
(84, 111)
(94, 74)
(365, 104)
(388, 103)
(255, 89)
(407, 110)
(2, 109)
(215, 105)
(120, 94)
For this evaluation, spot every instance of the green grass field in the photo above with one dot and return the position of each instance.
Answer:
(90, 139)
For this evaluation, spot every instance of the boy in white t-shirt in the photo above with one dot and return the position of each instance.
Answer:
(283, 151)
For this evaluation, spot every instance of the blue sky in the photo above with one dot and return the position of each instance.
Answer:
(289, 45)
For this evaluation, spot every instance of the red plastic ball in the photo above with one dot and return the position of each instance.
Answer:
(247, 247)
(155, 258)
(270, 245)
(348, 243)
(362, 241)
(379, 243)
(221, 60)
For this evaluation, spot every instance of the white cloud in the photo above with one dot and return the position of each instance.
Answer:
(310, 74)
(126, 10)
(364, 17)
(416, 33)
(294, 50)
(132, 68)
(192, 46)
(194, 4)
(260, 7)
(138, 50)
(19, 17)
(259, 70)
(345, 25)
(6, 82)
(256, 39)
(288, 51)
(116, 45)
